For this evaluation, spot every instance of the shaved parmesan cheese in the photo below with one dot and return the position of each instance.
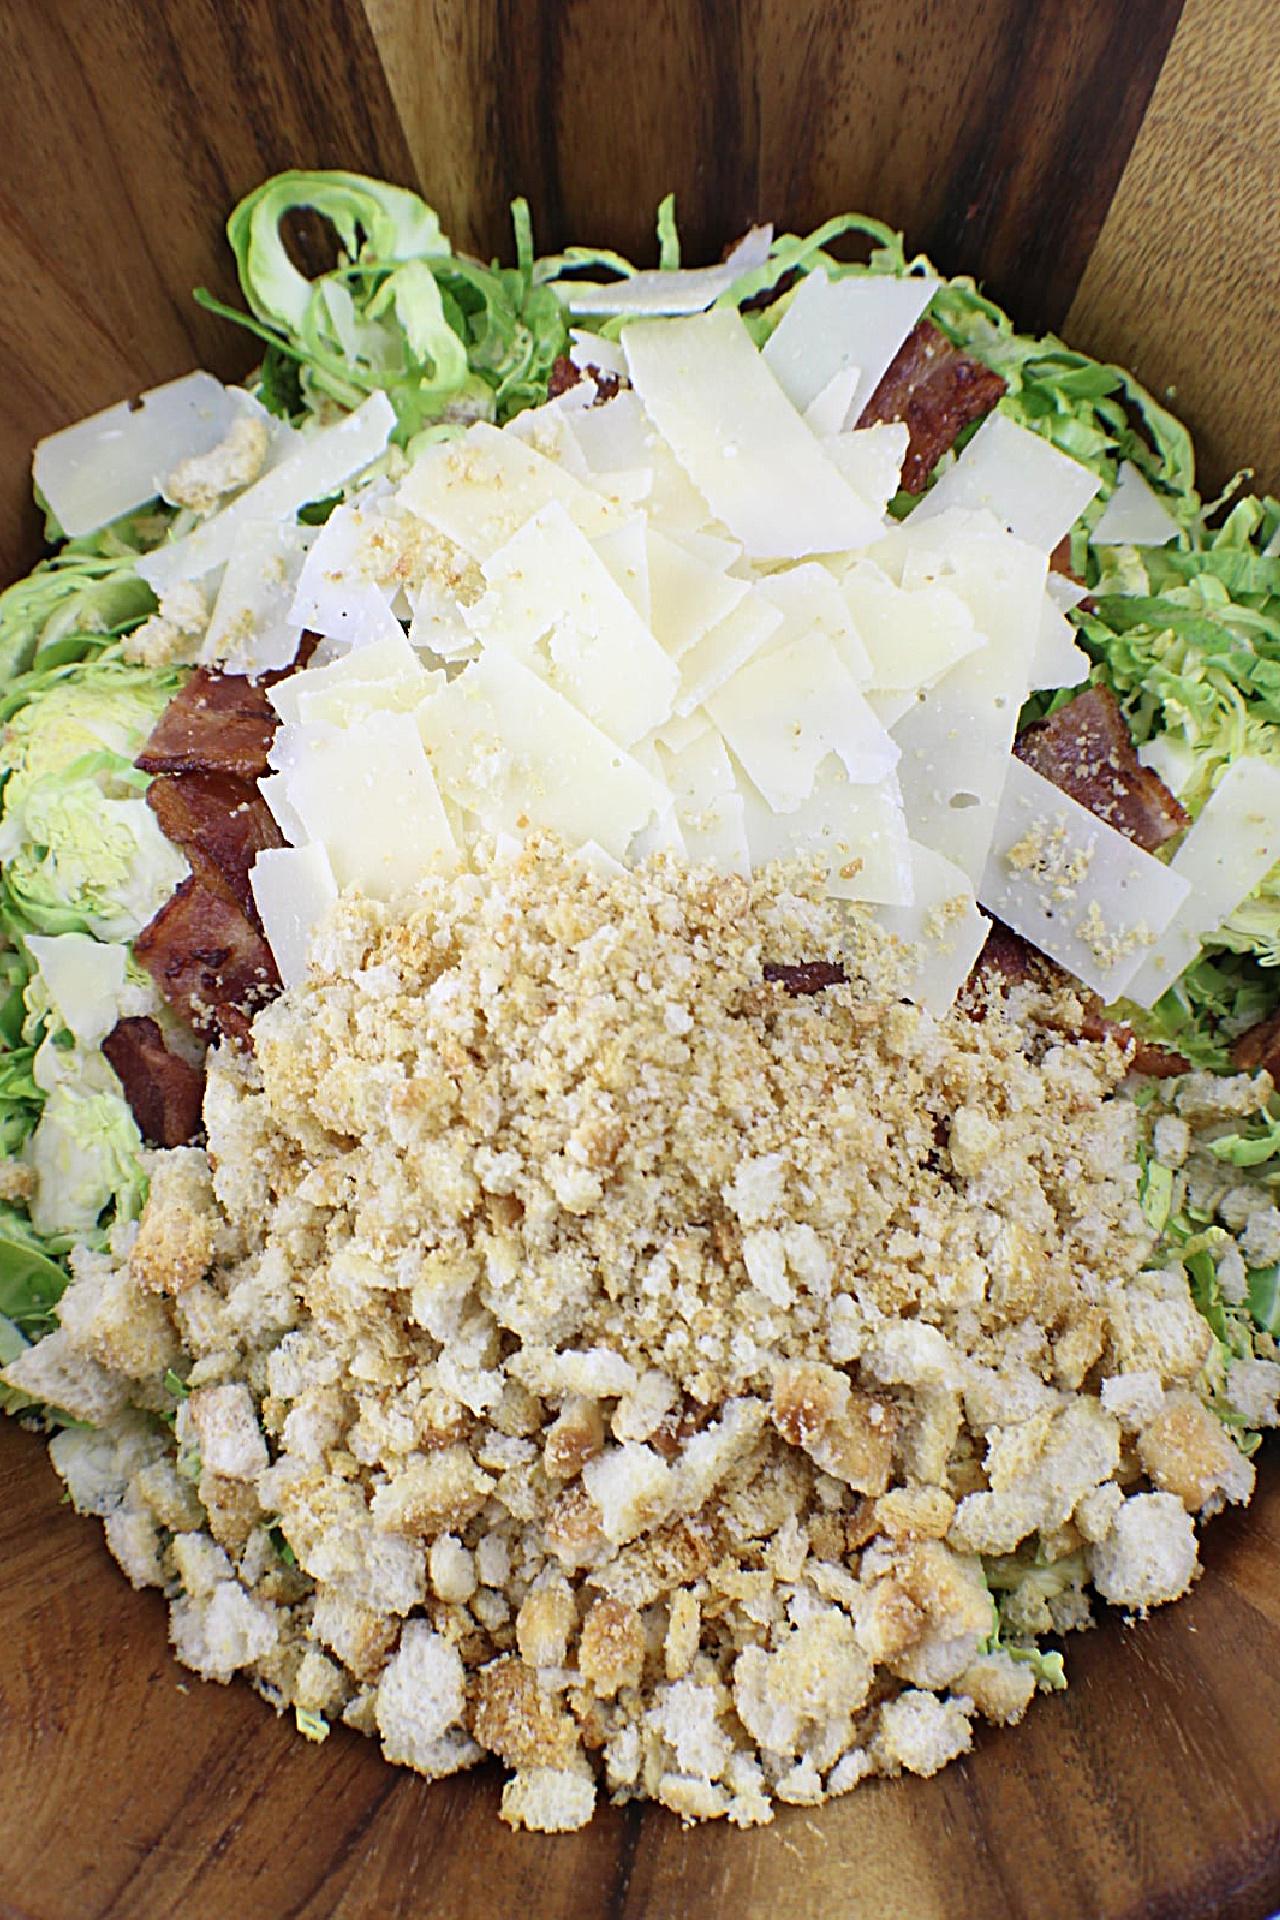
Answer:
(1135, 515)
(1064, 591)
(593, 350)
(808, 598)
(667, 291)
(555, 605)
(618, 438)
(547, 431)
(293, 889)
(889, 706)
(346, 704)
(687, 595)
(1272, 549)
(942, 926)
(957, 737)
(858, 320)
(746, 449)
(708, 805)
(250, 630)
(367, 793)
(626, 555)
(786, 710)
(509, 749)
(322, 462)
(1057, 660)
(1031, 488)
(911, 638)
(274, 789)
(389, 658)
(858, 832)
(871, 460)
(827, 412)
(1232, 846)
(85, 981)
(480, 490)
(724, 648)
(1074, 887)
(117, 460)
(338, 595)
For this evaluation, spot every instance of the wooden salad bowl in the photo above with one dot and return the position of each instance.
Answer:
(1108, 168)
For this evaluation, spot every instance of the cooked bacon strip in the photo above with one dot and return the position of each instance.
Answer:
(937, 391)
(219, 723)
(809, 976)
(164, 1092)
(219, 822)
(1086, 749)
(1008, 961)
(207, 958)
(1259, 1046)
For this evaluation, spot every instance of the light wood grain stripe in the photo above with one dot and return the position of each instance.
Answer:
(1184, 281)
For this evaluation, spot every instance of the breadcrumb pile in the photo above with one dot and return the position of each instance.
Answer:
(577, 1348)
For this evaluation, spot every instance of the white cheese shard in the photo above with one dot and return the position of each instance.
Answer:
(547, 431)
(619, 438)
(274, 789)
(390, 658)
(724, 648)
(870, 458)
(85, 980)
(942, 926)
(1272, 549)
(858, 832)
(367, 793)
(626, 554)
(809, 597)
(1065, 592)
(1135, 515)
(593, 350)
(827, 412)
(323, 461)
(1057, 660)
(1031, 488)
(957, 737)
(667, 291)
(911, 637)
(293, 889)
(509, 749)
(709, 808)
(786, 710)
(687, 594)
(857, 320)
(749, 453)
(1074, 887)
(251, 629)
(117, 460)
(555, 605)
(481, 489)
(1232, 846)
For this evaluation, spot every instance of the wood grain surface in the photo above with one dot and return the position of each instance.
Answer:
(1184, 282)
(1017, 139)
(132, 1791)
(129, 131)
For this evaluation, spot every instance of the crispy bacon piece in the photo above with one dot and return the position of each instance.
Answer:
(220, 823)
(1259, 1046)
(1008, 961)
(208, 959)
(809, 976)
(164, 1092)
(1086, 749)
(937, 391)
(219, 723)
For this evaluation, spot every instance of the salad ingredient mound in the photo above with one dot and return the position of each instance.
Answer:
(610, 1351)
(715, 836)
